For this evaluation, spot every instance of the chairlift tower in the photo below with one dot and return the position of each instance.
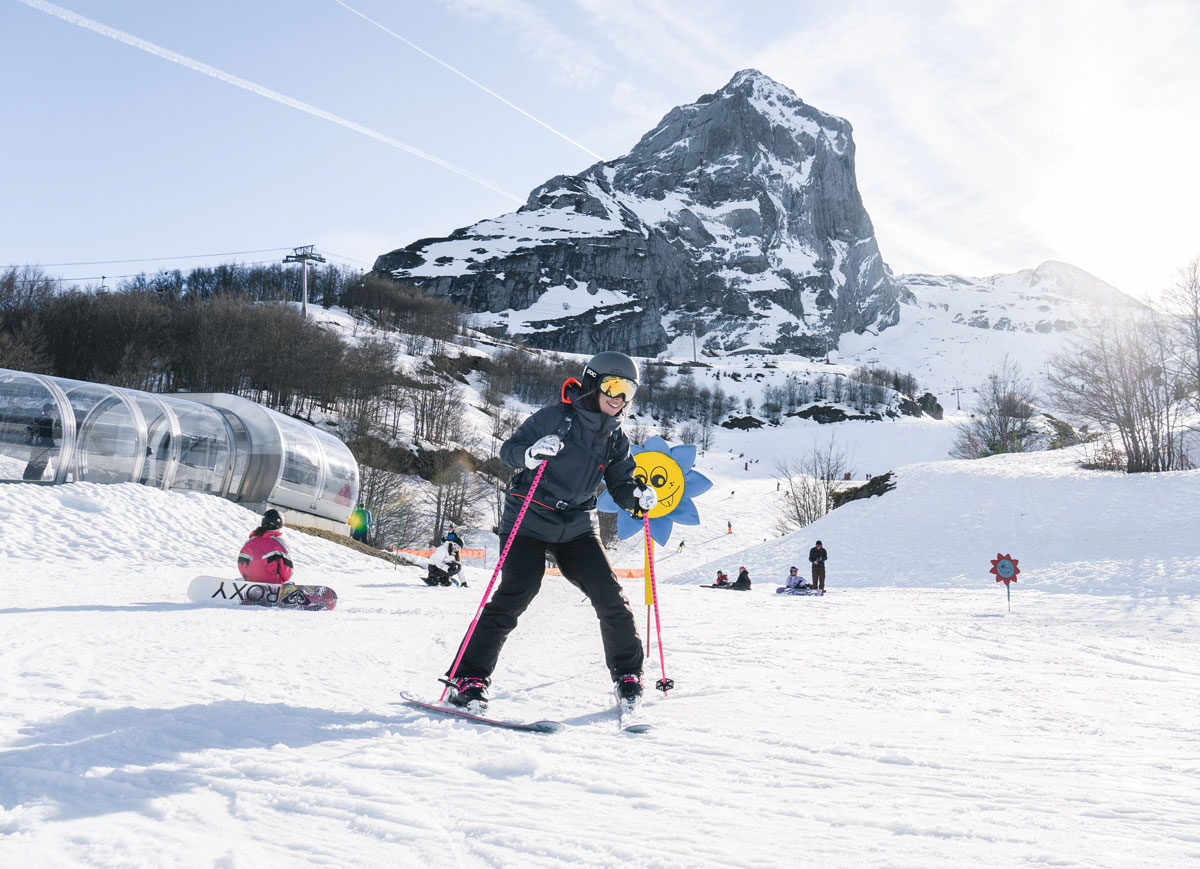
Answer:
(303, 255)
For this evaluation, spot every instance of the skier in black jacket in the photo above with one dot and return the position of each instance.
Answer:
(581, 441)
(817, 556)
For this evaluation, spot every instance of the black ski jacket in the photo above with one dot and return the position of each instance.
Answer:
(564, 503)
(818, 555)
(743, 581)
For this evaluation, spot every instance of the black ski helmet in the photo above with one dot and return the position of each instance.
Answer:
(608, 362)
(272, 520)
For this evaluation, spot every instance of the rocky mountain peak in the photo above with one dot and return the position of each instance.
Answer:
(738, 216)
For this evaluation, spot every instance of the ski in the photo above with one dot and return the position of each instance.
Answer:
(631, 717)
(446, 709)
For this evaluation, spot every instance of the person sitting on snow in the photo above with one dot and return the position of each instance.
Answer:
(794, 579)
(444, 563)
(743, 580)
(265, 557)
(722, 578)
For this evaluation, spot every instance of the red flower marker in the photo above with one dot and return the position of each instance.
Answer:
(1005, 569)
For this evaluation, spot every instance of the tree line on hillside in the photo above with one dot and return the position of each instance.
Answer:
(210, 332)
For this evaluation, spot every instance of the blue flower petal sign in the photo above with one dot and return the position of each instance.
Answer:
(667, 470)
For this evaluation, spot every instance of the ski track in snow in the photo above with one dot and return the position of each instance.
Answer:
(907, 718)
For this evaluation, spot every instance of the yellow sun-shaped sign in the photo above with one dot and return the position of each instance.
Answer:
(661, 473)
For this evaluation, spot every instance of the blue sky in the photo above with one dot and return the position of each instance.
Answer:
(987, 140)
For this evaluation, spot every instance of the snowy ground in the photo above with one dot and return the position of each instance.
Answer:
(905, 719)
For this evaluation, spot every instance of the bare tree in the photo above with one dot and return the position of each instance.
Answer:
(452, 499)
(388, 495)
(1122, 373)
(1001, 421)
(437, 409)
(638, 433)
(1183, 301)
(808, 483)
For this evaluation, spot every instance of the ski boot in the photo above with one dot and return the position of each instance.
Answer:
(628, 690)
(469, 693)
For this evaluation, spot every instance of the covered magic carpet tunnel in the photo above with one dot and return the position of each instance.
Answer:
(55, 430)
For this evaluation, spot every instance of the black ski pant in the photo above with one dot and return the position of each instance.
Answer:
(584, 563)
(818, 571)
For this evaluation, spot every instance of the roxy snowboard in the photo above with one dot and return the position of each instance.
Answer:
(239, 592)
(803, 590)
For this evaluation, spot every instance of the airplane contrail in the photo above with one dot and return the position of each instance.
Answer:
(463, 75)
(183, 60)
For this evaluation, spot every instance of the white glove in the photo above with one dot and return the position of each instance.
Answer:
(546, 448)
(647, 498)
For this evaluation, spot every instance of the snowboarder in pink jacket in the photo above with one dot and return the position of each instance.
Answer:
(265, 557)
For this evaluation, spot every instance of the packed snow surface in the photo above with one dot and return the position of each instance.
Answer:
(907, 718)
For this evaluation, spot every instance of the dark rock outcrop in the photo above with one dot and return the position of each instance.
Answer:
(877, 485)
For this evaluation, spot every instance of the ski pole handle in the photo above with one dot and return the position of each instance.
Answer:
(495, 573)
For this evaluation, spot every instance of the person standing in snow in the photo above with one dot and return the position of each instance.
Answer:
(360, 523)
(817, 557)
(41, 437)
(581, 441)
(444, 564)
(265, 557)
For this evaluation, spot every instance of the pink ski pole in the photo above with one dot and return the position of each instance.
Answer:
(488, 591)
(664, 684)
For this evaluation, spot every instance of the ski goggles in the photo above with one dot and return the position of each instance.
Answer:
(618, 387)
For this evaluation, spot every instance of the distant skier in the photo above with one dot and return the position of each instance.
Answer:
(817, 556)
(444, 565)
(742, 583)
(581, 441)
(680, 549)
(265, 557)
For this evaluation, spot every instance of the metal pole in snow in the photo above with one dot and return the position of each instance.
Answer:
(664, 684)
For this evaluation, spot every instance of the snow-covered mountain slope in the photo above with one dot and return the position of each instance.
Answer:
(737, 209)
(957, 330)
(906, 718)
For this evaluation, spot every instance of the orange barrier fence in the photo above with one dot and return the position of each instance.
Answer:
(425, 553)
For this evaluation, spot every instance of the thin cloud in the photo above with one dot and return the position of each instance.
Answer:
(467, 78)
(573, 59)
(686, 48)
(190, 63)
